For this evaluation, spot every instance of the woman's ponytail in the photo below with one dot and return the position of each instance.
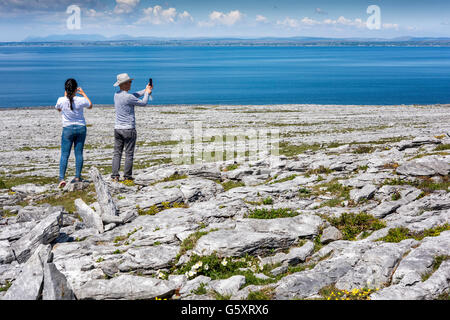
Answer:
(71, 86)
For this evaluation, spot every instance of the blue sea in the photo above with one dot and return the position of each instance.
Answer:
(34, 76)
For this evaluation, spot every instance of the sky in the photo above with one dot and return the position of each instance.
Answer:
(20, 19)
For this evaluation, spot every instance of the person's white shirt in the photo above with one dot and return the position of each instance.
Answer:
(75, 116)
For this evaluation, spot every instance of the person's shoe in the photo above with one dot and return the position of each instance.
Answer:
(62, 184)
(75, 180)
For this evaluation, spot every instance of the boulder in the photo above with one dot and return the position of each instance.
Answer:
(126, 287)
(28, 285)
(6, 254)
(366, 192)
(55, 284)
(91, 218)
(104, 198)
(227, 287)
(330, 234)
(43, 233)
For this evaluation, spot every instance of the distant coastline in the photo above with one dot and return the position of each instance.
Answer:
(86, 40)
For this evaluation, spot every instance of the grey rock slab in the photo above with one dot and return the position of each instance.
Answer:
(193, 285)
(30, 188)
(154, 257)
(258, 236)
(126, 287)
(55, 284)
(90, 217)
(415, 169)
(31, 213)
(385, 208)
(342, 263)
(203, 170)
(155, 175)
(28, 285)
(365, 193)
(236, 243)
(227, 287)
(157, 197)
(420, 260)
(6, 253)
(435, 285)
(439, 165)
(330, 234)
(43, 233)
(295, 255)
(375, 267)
(107, 205)
(15, 231)
(199, 189)
(239, 173)
(279, 270)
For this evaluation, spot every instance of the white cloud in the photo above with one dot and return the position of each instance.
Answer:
(185, 16)
(289, 22)
(309, 22)
(220, 18)
(157, 15)
(390, 26)
(260, 18)
(125, 6)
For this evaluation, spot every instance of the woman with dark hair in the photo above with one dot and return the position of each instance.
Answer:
(71, 107)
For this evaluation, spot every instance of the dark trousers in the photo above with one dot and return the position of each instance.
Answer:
(124, 139)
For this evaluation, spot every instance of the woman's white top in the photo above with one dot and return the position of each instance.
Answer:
(75, 116)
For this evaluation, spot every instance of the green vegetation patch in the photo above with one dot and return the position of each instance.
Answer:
(442, 147)
(263, 294)
(437, 261)
(291, 177)
(173, 177)
(363, 149)
(425, 184)
(67, 199)
(339, 191)
(402, 233)
(227, 185)
(231, 167)
(351, 224)
(8, 183)
(290, 150)
(6, 286)
(164, 206)
(272, 213)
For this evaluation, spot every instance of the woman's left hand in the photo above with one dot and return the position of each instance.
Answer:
(80, 91)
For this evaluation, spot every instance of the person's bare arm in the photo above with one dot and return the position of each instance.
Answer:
(81, 92)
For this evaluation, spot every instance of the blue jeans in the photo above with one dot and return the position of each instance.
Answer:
(72, 135)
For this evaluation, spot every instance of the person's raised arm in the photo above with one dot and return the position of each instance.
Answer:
(81, 92)
(135, 101)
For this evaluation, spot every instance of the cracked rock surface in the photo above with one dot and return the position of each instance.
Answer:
(358, 197)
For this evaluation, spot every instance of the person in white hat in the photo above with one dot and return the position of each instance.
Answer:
(125, 134)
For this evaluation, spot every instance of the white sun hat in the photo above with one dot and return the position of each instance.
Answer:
(122, 78)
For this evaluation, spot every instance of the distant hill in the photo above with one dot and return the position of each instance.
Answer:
(124, 37)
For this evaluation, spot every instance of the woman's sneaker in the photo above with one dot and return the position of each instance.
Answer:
(62, 184)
